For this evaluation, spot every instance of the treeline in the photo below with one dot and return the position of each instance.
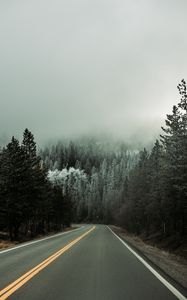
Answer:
(156, 195)
(94, 197)
(98, 191)
(146, 195)
(89, 180)
(85, 153)
(29, 205)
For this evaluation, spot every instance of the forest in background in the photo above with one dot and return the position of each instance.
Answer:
(89, 180)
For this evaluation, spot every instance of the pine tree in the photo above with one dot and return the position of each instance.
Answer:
(183, 144)
(171, 141)
(154, 208)
(3, 217)
(72, 155)
(37, 185)
(13, 186)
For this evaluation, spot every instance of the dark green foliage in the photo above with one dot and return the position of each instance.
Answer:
(145, 192)
(28, 203)
(156, 198)
(146, 196)
(13, 186)
(61, 209)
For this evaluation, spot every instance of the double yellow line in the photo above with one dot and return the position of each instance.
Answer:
(11, 288)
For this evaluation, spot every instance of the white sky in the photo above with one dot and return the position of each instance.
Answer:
(80, 66)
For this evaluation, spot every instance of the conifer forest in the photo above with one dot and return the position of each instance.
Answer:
(87, 180)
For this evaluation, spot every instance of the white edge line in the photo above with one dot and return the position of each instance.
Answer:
(162, 279)
(38, 241)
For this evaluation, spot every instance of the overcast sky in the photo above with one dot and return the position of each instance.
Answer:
(79, 66)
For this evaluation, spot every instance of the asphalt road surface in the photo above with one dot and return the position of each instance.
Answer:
(89, 263)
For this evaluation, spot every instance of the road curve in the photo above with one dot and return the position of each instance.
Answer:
(86, 264)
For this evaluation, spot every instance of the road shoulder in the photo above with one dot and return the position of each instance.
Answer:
(170, 266)
(7, 245)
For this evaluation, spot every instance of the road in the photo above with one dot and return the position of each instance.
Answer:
(90, 263)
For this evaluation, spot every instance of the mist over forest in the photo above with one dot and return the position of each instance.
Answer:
(92, 126)
(76, 68)
(93, 149)
(91, 180)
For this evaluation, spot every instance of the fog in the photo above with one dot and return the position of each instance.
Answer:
(73, 67)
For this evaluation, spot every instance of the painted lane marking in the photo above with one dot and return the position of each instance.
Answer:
(11, 288)
(162, 279)
(38, 241)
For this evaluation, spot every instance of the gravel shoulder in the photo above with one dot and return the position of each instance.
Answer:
(171, 264)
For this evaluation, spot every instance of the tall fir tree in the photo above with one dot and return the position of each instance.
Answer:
(36, 193)
(173, 171)
(13, 186)
(183, 144)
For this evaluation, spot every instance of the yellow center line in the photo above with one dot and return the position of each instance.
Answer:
(15, 285)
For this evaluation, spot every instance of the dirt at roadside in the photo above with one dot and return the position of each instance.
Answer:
(6, 244)
(173, 265)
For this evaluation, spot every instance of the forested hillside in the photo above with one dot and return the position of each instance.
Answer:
(93, 176)
(89, 180)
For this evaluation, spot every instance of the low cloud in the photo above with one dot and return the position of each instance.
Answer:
(82, 66)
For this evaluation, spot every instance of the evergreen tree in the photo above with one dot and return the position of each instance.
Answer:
(37, 185)
(183, 178)
(13, 186)
(154, 211)
(175, 170)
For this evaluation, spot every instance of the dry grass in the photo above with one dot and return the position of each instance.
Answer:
(6, 244)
